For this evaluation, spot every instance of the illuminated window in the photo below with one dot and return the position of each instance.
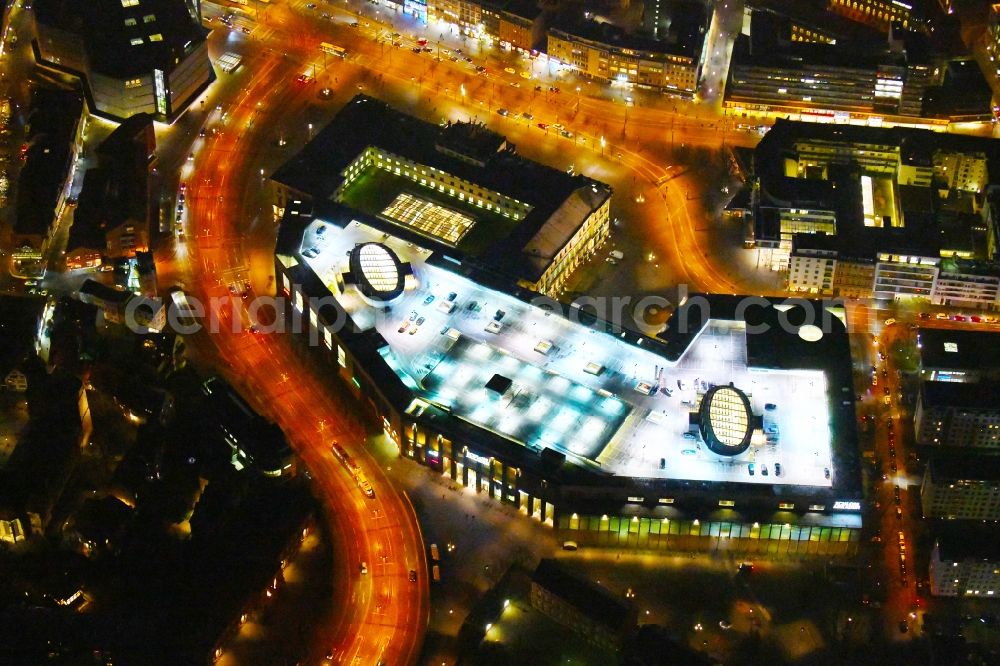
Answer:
(135, 41)
(130, 21)
(149, 18)
(130, 3)
(133, 83)
(156, 37)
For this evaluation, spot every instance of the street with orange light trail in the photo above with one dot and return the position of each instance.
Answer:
(379, 614)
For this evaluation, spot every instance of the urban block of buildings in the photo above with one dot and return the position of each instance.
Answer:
(670, 61)
(817, 61)
(607, 435)
(887, 213)
(665, 53)
(131, 56)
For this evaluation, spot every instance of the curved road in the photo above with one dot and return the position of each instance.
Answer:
(381, 614)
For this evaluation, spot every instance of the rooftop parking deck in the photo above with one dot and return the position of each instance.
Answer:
(558, 383)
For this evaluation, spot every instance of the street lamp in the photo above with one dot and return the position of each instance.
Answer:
(603, 144)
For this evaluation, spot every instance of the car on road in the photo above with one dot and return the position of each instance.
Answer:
(750, 468)
(959, 317)
(924, 315)
(420, 321)
(543, 126)
(429, 299)
(413, 575)
(503, 112)
(402, 329)
(527, 116)
(364, 567)
(311, 253)
(976, 319)
(941, 315)
(510, 70)
(303, 79)
(566, 134)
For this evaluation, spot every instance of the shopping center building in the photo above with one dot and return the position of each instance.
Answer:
(732, 429)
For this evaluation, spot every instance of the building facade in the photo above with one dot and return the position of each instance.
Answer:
(958, 414)
(131, 57)
(967, 488)
(965, 563)
(880, 13)
(601, 53)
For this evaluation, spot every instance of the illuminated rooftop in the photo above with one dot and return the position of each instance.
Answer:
(543, 380)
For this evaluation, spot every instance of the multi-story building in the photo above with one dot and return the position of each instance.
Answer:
(811, 21)
(958, 414)
(890, 213)
(964, 488)
(965, 561)
(829, 74)
(522, 25)
(882, 14)
(958, 356)
(132, 56)
(466, 14)
(414, 298)
(54, 137)
(114, 210)
(603, 52)
(528, 222)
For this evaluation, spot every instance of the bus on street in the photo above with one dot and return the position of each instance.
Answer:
(331, 49)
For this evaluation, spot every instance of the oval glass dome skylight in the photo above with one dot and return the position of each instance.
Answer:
(377, 271)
